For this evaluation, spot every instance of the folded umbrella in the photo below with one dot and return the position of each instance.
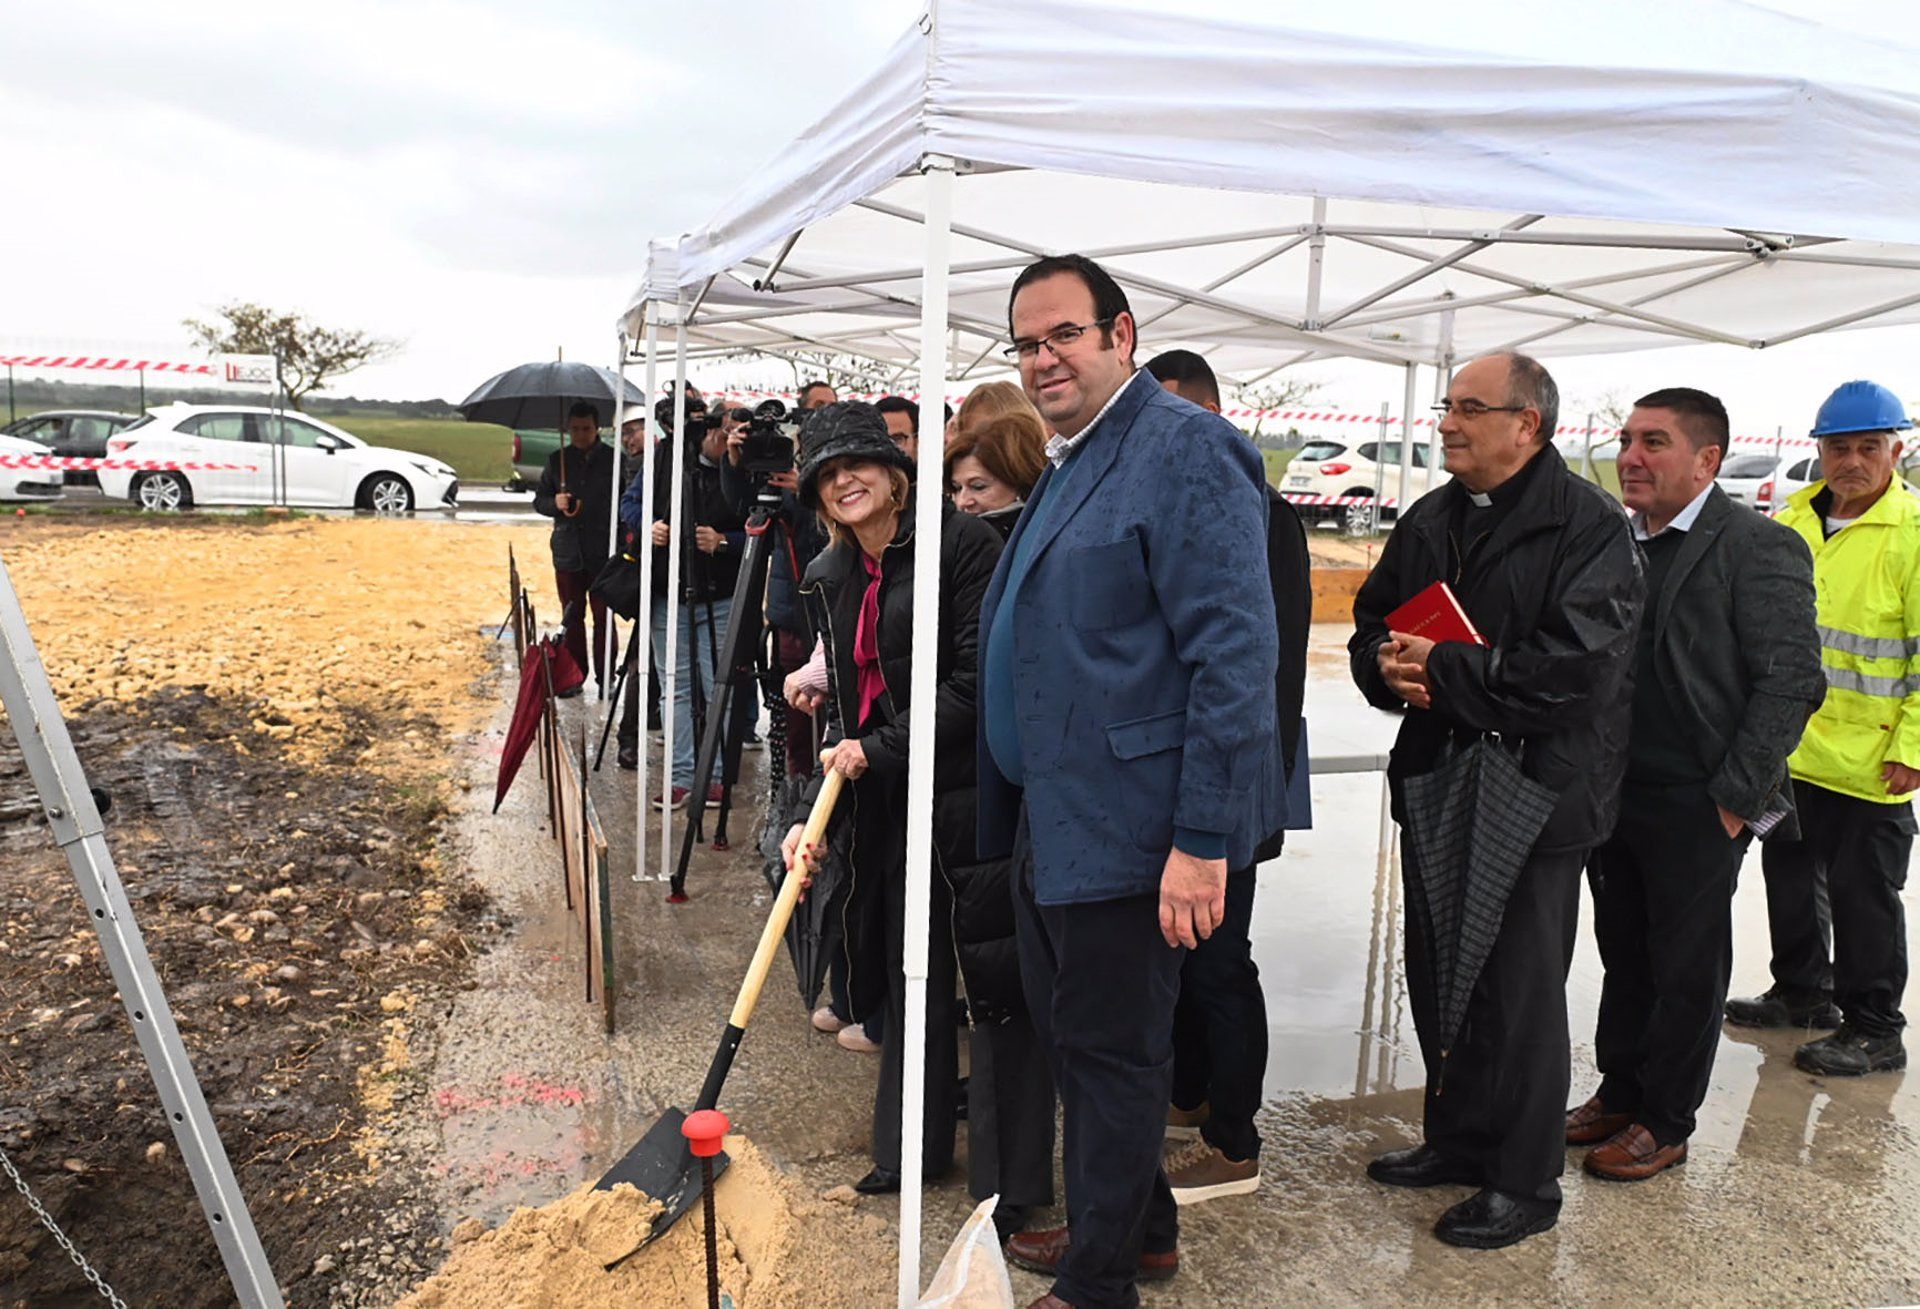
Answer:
(537, 396)
(1470, 825)
(813, 933)
(547, 663)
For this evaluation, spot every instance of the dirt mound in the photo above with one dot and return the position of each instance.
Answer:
(778, 1250)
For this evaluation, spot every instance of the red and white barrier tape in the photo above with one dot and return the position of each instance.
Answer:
(1385, 502)
(70, 462)
(111, 364)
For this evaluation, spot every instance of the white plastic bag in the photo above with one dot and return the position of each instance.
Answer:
(974, 1273)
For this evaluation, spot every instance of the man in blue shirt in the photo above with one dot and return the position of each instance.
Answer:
(1128, 754)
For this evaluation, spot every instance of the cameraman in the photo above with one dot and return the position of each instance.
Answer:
(707, 574)
(800, 537)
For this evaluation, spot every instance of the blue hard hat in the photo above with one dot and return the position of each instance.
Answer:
(1861, 407)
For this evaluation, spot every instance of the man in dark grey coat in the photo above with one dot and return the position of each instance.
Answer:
(1727, 670)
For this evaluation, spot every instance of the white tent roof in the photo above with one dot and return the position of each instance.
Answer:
(1566, 178)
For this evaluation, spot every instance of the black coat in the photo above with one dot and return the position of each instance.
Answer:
(982, 899)
(580, 542)
(1737, 653)
(799, 539)
(1290, 573)
(703, 576)
(1557, 590)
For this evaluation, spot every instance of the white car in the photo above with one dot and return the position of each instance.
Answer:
(1347, 468)
(1765, 481)
(28, 483)
(281, 458)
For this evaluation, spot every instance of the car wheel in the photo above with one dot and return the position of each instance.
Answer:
(163, 493)
(387, 494)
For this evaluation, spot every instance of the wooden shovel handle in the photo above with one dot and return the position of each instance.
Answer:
(783, 903)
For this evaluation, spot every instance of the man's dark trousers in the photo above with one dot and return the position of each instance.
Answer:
(1842, 880)
(1101, 983)
(574, 601)
(1663, 915)
(1498, 1100)
(1220, 1029)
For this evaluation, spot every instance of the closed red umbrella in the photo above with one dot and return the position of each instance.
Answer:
(547, 670)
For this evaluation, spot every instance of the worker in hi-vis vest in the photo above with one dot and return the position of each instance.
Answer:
(1859, 758)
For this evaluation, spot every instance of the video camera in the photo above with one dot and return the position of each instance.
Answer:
(767, 448)
(696, 410)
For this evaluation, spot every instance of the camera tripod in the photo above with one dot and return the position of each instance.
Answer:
(735, 660)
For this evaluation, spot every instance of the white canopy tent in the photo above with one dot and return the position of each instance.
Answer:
(1377, 180)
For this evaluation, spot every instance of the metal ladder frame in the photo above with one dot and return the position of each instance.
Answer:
(75, 819)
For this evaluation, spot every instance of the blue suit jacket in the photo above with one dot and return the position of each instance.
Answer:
(1144, 656)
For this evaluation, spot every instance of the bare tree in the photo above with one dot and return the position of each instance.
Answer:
(310, 355)
(1275, 395)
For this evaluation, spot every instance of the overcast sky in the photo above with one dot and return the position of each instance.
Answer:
(479, 180)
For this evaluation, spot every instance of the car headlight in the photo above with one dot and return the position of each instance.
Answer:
(432, 469)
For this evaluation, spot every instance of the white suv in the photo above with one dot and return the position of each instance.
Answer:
(1346, 469)
(234, 455)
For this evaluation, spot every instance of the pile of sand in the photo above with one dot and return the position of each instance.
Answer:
(308, 623)
(778, 1250)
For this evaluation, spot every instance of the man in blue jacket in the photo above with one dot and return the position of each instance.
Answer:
(1128, 755)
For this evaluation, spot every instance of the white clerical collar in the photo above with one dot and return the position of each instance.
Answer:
(1480, 499)
(1682, 521)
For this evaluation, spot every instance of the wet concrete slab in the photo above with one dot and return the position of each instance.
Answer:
(1799, 1190)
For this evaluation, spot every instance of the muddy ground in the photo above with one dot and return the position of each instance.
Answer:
(273, 726)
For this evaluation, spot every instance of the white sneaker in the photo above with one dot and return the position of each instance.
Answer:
(825, 1020)
(854, 1037)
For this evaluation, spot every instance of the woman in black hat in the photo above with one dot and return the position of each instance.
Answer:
(860, 595)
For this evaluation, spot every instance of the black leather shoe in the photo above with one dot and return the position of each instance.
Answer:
(1777, 1008)
(881, 1181)
(1008, 1219)
(1422, 1166)
(1489, 1219)
(629, 757)
(1850, 1052)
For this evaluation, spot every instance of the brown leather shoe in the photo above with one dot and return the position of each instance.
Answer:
(1632, 1155)
(1042, 1251)
(1591, 1123)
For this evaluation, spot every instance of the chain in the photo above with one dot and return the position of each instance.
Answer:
(46, 1220)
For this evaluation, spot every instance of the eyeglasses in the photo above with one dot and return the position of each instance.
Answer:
(1474, 409)
(1056, 340)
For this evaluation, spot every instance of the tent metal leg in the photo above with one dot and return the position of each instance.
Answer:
(77, 830)
(613, 511)
(926, 631)
(650, 313)
(669, 675)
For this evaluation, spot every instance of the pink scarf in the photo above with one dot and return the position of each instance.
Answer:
(870, 682)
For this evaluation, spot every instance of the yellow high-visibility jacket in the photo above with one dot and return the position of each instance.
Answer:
(1867, 584)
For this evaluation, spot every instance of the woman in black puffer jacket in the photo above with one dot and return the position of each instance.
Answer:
(859, 593)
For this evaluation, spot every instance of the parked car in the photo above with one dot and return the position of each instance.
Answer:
(531, 450)
(72, 433)
(319, 466)
(28, 483)
(1342, 468)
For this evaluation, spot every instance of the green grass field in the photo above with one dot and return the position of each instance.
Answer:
(480, 452)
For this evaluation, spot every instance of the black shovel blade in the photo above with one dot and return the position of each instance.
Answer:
(661, 1167)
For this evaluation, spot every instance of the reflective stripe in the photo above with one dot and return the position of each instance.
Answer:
(1891, 688)
(1869, 647)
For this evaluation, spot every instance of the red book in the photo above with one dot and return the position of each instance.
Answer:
(1436, 614)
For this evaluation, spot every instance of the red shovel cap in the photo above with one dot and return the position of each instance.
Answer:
(704, 1129)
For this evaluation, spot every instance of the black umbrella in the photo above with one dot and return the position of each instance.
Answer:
(814, 931)
(1471, 823)
(536, 397)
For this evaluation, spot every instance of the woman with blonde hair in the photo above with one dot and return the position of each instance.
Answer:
(989, 401)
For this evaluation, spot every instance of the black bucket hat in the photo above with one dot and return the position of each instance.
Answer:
(850, 429)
